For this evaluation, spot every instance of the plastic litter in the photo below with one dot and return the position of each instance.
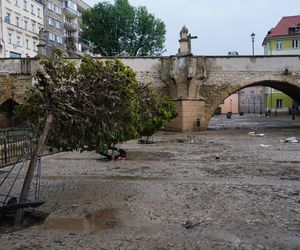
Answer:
(252, 133)
(292, 139)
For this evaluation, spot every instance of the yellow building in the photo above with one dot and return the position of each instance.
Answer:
(284, 39)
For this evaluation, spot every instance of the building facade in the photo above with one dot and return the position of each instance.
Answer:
(54, 25)
(252, 100)
(230, 104)
(21, 22)
(63, 25)
(284, 39)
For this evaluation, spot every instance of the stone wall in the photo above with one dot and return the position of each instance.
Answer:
(197, 84)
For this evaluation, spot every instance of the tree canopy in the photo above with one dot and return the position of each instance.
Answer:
(120, 27)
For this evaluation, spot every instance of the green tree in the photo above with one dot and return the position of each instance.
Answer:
(85, 108)
(163, 110)
(118, 27)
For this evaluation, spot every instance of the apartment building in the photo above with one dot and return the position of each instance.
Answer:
(283, 39)
(54, 25)
(21, 22)
(72, 26)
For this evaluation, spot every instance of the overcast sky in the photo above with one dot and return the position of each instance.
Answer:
(221, 25)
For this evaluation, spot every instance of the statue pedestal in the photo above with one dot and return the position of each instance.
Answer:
(190, 116)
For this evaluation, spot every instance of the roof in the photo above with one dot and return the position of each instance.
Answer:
(285, 27)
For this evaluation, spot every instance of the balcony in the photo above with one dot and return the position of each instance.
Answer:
(70, 12)
(71, 26)
(84, 43)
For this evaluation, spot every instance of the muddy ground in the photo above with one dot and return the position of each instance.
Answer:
(218, 189)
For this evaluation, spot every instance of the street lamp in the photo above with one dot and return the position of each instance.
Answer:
(252, 38)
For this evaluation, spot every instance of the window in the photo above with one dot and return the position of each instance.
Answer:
(17, 2)
(279, 103)
(51, 21)
(38, 12)
(25, 24)
(59, 39)
(32, 9)
(295, 44)
(72, 5)
(51, 36)
(7, 18)
(18, 41)
(25, 5)
(58, 10)
(33, 27)
(278, 45)
(17, 21)
(57, 24)
(68, 33)
(9, 38)
(27, 43)
(50, 6)
(34, 45)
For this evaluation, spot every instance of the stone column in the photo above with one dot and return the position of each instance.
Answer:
(42, 44)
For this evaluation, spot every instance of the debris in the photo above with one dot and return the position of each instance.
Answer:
(292, 139)
(189, 224)
(252, 133)
(264, 146)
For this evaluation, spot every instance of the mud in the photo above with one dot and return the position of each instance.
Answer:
(216, 189)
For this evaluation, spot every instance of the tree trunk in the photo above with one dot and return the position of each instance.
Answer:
(32, 166)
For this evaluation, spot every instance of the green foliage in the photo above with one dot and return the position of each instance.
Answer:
(163, 111)
(94, 106)
(118, 27)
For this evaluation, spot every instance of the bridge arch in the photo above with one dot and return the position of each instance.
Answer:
(6, 112)
(292, 89)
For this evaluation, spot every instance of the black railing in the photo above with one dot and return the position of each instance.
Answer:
(14, 143)
(83, 41)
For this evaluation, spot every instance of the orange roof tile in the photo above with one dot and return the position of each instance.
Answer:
(282, 28)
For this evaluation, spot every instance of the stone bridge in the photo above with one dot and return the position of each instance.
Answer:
(198, 84)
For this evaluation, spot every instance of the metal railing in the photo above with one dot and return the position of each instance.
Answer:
(14, 142)
(84, 41)
(71, 11)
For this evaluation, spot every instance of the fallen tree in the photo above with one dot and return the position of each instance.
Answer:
(91, 107)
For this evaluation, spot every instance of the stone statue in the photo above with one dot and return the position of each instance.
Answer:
(185, 42)
(43, 35)
(184, 33)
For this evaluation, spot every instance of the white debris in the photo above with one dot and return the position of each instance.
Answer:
(254, 134)
(264, 145)
(292, 139)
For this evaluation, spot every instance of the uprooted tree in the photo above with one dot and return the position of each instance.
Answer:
(85, 108)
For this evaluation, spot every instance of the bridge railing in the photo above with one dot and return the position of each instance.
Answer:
(14, 142)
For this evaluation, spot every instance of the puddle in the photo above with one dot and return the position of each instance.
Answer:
(89, 223)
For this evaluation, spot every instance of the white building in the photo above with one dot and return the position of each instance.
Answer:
(21, 22)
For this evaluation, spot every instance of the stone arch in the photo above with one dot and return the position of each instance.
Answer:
(291, 89)
(6, 112)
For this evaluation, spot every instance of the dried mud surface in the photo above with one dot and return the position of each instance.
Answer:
(211, 190)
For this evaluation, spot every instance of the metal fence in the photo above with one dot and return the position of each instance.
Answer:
(14, 142)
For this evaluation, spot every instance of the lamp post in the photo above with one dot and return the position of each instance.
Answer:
(252, 38)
